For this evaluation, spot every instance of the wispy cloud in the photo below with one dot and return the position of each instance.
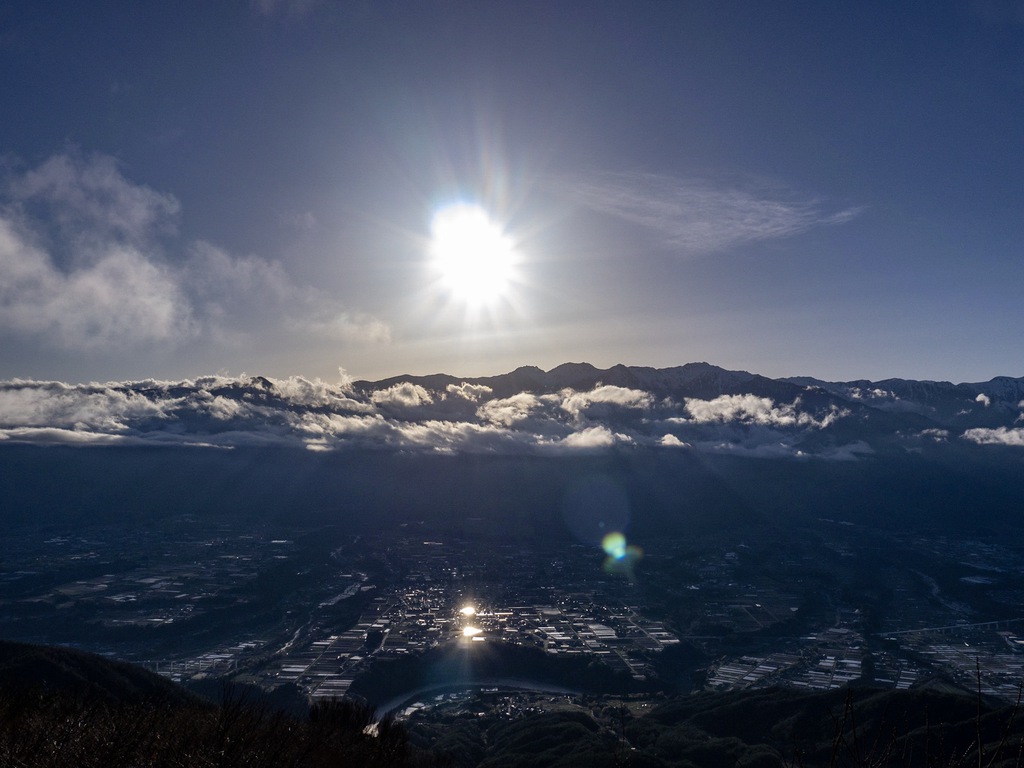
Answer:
(697, 215)
(467, 391)
(90, 260)
(90, 198)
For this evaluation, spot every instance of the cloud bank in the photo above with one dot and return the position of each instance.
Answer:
(408, 416)
(569, 409)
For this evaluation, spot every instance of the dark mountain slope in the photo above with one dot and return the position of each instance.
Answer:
(770, 728)
(74, 672)
(60, 707)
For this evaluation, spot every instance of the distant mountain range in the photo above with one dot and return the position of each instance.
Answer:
(574, 407)
(990, 403)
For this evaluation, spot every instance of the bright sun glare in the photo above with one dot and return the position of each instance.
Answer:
(472, 254)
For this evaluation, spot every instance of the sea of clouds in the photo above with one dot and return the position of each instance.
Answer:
(229, 412)
(226, 412)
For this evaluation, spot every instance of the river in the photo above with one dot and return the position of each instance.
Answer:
(411, 697)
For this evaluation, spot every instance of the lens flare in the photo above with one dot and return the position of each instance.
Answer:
(614, 545)
(621, 556)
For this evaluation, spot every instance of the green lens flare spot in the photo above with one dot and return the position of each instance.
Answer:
(614, 545)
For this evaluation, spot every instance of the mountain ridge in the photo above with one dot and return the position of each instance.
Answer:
(943, 401)
(575, 406)
(573, 373)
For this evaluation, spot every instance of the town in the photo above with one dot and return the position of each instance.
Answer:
(318, 608)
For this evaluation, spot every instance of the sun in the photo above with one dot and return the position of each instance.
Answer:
(473, 256)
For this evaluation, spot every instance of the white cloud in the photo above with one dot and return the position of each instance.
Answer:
(467, 391)
(671, 441)
(345, 380)
(575, 403)
(85, 264)
(56, 436)
(95, 407)
(449, 436)
(591, 437)
(212, 410)
(405, 394)
(509, 410)
(984, 399)
(90, 200)
(698, 216)
(870, 394)
(223, 408)
(997, 436)
(118, 297)
(317, 393)
(751, 409)
(343, 427)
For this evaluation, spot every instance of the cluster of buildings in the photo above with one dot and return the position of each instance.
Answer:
(398, 594)
(440, 594)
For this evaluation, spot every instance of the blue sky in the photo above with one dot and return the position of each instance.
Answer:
(830, 189)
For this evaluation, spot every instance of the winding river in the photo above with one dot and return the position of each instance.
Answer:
(519, 684)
